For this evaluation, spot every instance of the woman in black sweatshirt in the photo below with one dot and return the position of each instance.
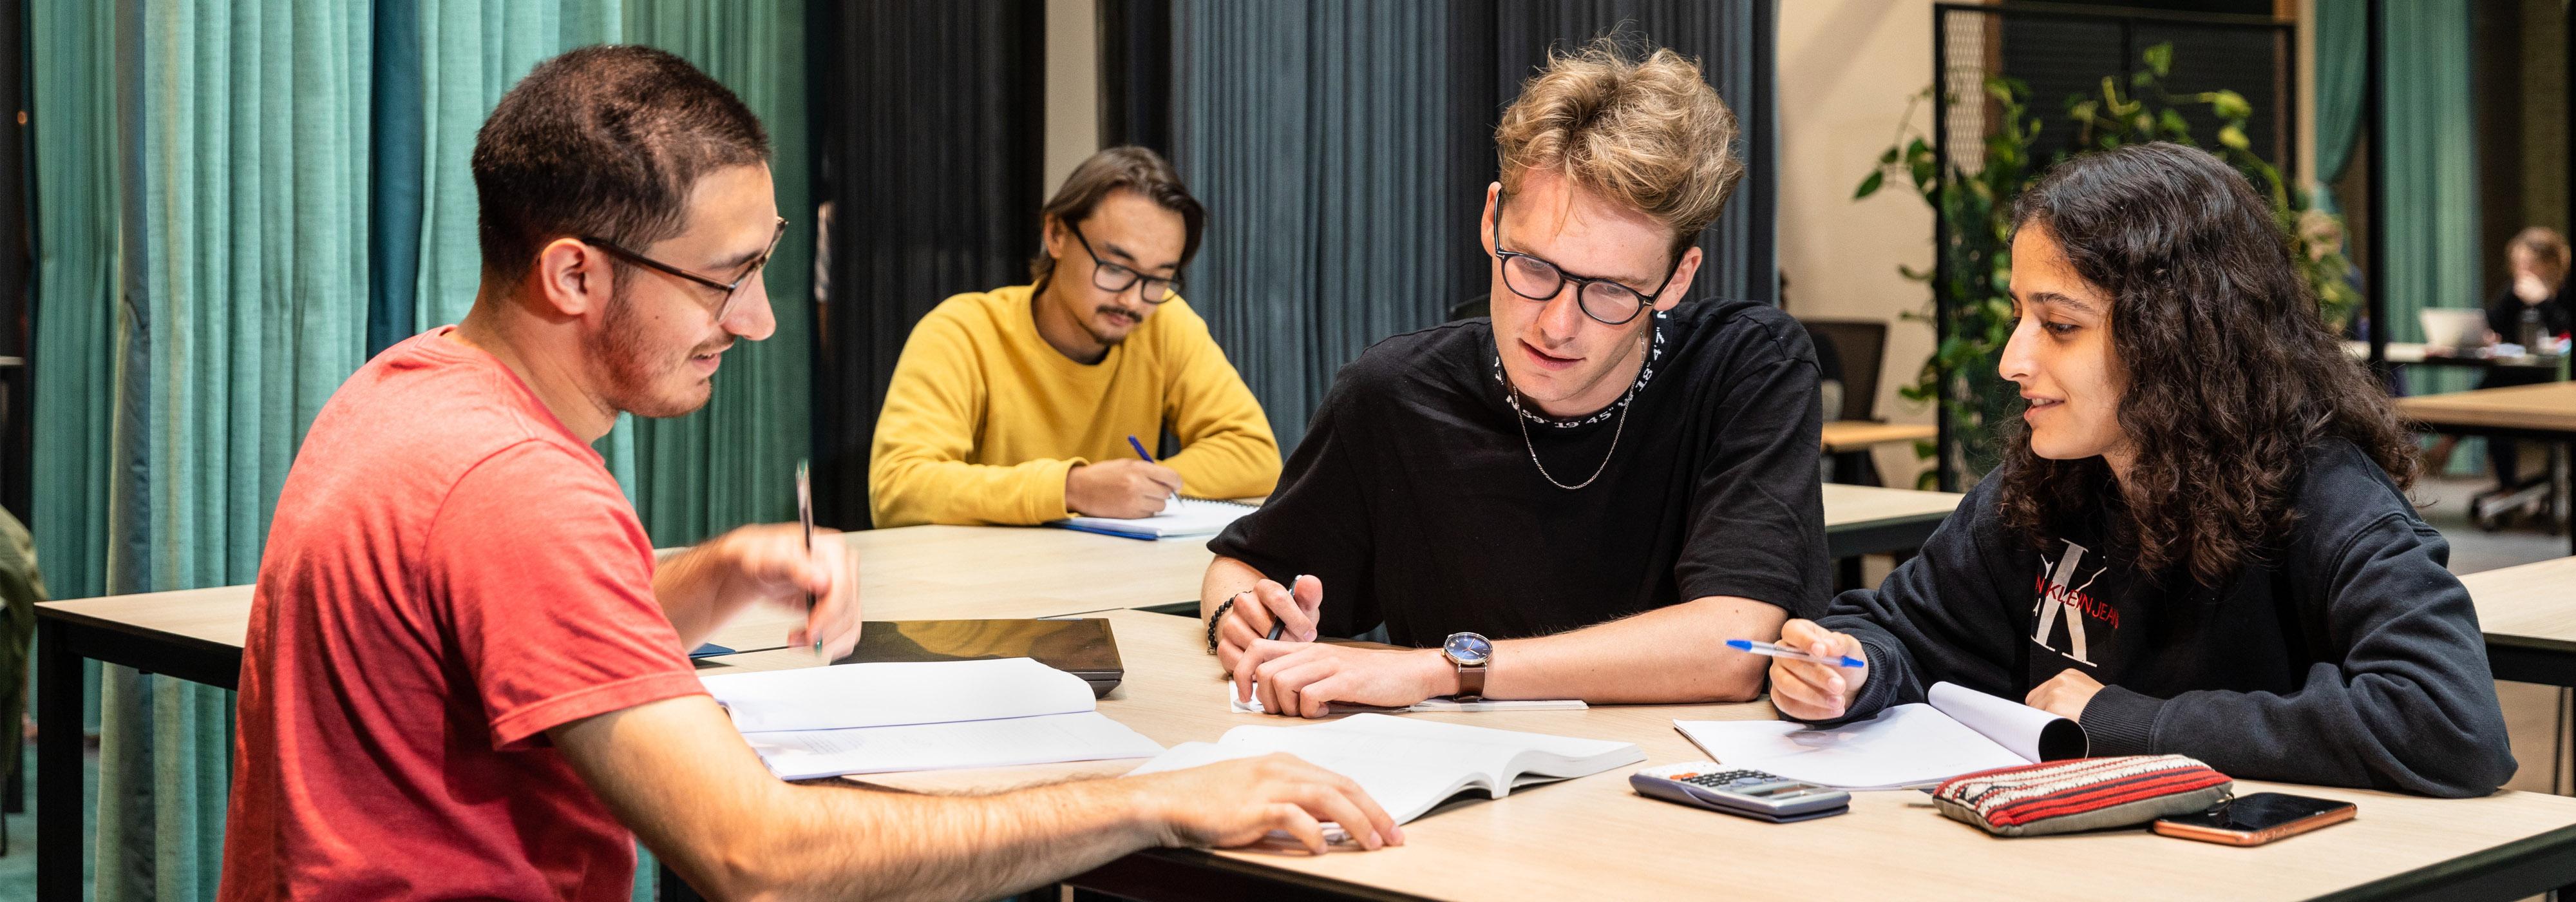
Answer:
(2199, 539)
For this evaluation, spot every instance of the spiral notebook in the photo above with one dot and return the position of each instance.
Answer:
(1190, 517)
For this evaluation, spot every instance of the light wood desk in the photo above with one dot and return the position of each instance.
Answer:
(1593, 838)
(1857, 435)
(2529, 616)
(2542, 413)
(912, 573)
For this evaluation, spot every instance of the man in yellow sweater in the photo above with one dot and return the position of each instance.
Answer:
(1014, 406)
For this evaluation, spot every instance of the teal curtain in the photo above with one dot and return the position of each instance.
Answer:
(734, 461)
(73, 65)
(2429, 176)
(2342, 43)
(203, 171)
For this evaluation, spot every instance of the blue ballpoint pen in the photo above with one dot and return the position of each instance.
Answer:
(1140, 452)
(1766, 648)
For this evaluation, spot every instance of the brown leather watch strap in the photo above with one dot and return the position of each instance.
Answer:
(1471, 680)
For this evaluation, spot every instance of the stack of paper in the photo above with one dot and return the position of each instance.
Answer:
(886, 717)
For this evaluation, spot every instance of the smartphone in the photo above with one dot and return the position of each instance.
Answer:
(2253, 820)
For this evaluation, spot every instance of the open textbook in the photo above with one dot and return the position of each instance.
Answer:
(1957, 731)
(1410, 766)
(886, 717)
(1188, 517)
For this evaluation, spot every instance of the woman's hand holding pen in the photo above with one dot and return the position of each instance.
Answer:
(1807, 690)
(1272, 611)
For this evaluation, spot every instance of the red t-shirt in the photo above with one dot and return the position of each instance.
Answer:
(450, 574)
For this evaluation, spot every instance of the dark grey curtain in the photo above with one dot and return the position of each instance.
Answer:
(1342, 148)
(928, 115)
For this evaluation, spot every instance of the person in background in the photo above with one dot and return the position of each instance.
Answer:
(466, 673)
(1014, 406)
(2199, 540)
(2532, 311)
(1578, 498)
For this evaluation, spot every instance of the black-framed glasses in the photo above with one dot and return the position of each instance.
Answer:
(732, 290)
(1538, 279)
(1113, 278)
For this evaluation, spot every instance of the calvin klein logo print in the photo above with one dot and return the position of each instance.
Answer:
(2055, 594)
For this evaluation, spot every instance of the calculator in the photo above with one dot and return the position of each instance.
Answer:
(1747, 793)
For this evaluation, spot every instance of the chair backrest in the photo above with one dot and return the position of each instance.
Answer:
(1858, 348)
(1470, 308)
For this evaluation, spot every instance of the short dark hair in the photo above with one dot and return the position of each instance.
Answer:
(2233, 377)
(604, 140)
(1129, 167)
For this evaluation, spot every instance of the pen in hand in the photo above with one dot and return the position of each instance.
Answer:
(805, 518)
(1140, 452)
(1279, 627)
(1766, 648)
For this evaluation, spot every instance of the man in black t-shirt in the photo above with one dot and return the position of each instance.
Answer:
(1584, 497)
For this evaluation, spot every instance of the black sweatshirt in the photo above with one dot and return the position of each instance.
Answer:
(1414, 497)
(2348, 656)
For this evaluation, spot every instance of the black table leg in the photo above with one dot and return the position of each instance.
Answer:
(60, 822)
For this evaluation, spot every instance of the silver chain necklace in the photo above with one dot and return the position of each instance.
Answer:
(1605, 458)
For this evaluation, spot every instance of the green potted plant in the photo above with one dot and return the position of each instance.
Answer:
(1971, 290)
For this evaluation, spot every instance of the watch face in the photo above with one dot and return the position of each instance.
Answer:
(1467, 648)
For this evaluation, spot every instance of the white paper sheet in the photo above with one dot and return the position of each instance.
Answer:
(1960, 731)
(844, 696)
(1903, 746)
(1081, 736)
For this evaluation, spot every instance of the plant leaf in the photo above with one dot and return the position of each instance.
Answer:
(2160, 59)
(2233, 136)
(2230, 105)
(1869, 186)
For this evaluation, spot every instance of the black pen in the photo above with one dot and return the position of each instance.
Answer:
(1279, 627)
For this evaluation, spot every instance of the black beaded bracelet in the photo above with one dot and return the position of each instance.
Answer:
(1217, 618)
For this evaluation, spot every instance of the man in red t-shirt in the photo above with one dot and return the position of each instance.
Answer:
(465, 676)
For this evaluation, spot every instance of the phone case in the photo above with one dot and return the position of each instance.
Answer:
(2255, 837)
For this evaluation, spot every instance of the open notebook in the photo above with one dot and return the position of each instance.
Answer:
(929, 715)
(1190, 517)
(1410, 766)
(1957, 731)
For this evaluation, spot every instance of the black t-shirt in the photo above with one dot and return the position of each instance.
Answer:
(2557, 314)
(1415, 500)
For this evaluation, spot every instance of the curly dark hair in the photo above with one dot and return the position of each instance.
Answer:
(2232, 375)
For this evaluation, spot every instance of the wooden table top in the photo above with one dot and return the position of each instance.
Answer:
(1595, 838)
(2536, 601)
(1855, 435)
(912, 573)
(1848, 506)
(2547, 407)
(938, 572)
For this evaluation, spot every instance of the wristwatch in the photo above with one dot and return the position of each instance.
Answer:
(1470, 653)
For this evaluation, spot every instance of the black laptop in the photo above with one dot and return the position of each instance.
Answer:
(1084, 648)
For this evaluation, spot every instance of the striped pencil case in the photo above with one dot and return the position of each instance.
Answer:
(2082, 794)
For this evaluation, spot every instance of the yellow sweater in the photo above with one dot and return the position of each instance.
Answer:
(984, 418)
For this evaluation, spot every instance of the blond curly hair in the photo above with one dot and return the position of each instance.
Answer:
(1647, 134)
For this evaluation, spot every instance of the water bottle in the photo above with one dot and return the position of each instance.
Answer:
(2531, 337)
